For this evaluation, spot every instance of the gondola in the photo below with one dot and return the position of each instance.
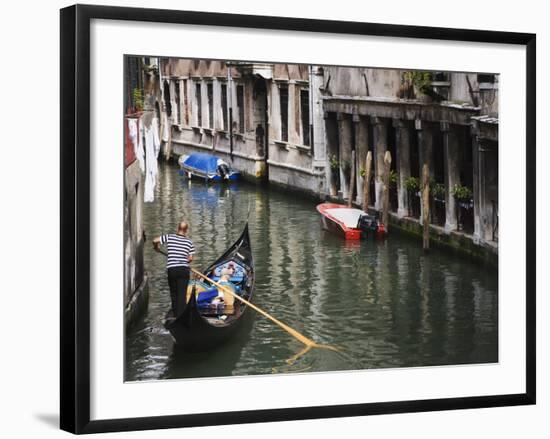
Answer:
(201, 328)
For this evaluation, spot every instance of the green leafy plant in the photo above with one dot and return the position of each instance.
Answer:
(346, 166)
(461, 193)
(138, 98)
(393, 178)
(334, 163)
(412, 184)
(150, 69)
(420, 80)
(417, 81)
(437, 189)
(362, 172)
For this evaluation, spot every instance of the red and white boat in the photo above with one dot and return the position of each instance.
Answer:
(349, 222)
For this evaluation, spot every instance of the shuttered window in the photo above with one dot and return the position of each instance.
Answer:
(210, 95)
(198, 100)
(304, 113)
(178, 102)
(240, 104)
(283, 99)
(224, 107)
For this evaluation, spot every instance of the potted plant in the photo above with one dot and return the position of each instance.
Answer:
(437, 202)
(462, 194)
(393, 190)
(418, 84)
(412, 185)
(138, 99)
(437, 190)
(393, 178)
(463, 197)
(334, 164)
(346, 167)
(150, 69)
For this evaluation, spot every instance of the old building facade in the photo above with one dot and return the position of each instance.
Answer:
(267, 106)
(448, 121)
(141, 147)
(297, 125)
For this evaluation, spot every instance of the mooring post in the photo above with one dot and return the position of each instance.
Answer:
(425, 207)
(352, 179)
(366, 182)
(386, 189)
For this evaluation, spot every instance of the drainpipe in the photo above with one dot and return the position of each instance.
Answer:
(311, 112)
(163, 105)
(230, 92)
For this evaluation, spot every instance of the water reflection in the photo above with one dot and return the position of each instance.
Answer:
(386, 303)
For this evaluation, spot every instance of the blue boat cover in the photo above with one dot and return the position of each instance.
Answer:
(203, 162)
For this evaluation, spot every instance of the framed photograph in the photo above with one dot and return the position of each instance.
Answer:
(273, 218)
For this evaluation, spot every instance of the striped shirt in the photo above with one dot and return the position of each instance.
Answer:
(179, 249)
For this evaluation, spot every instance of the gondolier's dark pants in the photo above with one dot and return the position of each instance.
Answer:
(178, 279)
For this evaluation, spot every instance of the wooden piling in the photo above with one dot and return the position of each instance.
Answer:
(168, 150)
(386, 190)
(366, 182)
(352, 179)
(425, 207)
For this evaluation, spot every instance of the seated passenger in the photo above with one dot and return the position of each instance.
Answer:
(226, 274)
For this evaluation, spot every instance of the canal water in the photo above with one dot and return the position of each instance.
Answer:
(383, 303)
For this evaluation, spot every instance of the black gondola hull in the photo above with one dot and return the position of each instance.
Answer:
(191, 332)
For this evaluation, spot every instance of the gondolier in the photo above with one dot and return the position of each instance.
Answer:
(180, 250)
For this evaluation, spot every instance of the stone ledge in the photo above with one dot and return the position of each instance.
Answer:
(455, 241)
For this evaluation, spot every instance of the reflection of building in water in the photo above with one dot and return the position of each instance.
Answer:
(297, 125)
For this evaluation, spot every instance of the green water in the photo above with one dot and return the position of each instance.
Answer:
(384, 303)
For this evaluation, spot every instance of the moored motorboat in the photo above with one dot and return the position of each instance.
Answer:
(349, 222)
(202, 327)
(207, 167)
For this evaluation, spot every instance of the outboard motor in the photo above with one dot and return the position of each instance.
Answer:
(368, 224)
(223, 170)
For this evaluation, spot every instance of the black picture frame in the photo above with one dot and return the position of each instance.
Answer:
(75, 217)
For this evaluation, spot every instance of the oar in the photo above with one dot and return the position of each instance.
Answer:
(300, 337)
